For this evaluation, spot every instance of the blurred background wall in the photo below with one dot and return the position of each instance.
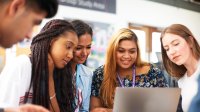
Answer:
(146, 18)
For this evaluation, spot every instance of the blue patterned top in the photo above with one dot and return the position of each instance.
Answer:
(154, 78)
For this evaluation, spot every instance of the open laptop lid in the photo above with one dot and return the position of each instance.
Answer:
(146, 99)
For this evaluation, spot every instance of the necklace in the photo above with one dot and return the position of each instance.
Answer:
(133, 80)
(51, 97)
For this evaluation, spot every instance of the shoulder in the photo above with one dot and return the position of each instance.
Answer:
(84, 70)
(155, 72)
(22, 61)
(98, 74)
(19, 67)
(154, 69)
(182, 80)
(99, 70)
(96, 81)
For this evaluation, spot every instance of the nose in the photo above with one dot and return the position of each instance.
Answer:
(126, 55)
(84, 52)
(70, 54)
(172, 51)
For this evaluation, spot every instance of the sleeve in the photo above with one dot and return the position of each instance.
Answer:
(10, 83)
(96, 81)
(159, 78)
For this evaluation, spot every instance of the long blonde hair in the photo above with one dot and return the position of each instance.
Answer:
(181, 30)
(109, 82)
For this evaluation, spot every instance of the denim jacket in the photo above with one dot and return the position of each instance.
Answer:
(83, 82)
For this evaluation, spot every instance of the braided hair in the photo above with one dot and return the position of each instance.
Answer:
(40, 47)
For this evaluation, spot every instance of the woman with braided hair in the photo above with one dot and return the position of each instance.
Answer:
(43, 78)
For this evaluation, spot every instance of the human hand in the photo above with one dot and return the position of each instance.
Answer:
(27, 108)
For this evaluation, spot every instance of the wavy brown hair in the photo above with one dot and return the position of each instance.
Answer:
(109, 82)
(182, 31)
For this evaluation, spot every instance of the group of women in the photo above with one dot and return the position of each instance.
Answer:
(55, 77)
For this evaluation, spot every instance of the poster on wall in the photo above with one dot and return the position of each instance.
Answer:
(102, 33)
(108, 6)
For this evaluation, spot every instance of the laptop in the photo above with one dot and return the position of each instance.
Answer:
(146, 99)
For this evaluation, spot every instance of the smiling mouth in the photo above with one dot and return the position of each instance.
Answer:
(82, 59)
(125, 62)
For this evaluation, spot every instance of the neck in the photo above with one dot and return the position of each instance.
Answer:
(124, 72)
(191, 66)
(73, 65)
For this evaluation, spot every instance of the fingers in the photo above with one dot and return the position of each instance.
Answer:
(32, 108)
(27, 108)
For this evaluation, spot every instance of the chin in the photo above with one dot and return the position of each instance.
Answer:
(178, 63)
(81, 62)
(125, 66)
(60, 66)
(7, 45)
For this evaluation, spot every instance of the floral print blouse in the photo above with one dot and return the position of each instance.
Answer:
(154, 78)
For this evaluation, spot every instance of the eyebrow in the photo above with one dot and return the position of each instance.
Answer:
(171, 42)
(70, 42)
(128, 49)
(86, 45)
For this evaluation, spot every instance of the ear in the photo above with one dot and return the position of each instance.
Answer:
(15, 6)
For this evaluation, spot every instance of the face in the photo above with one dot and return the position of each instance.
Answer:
(83, 49)
(19, 26)
(126, 54)
(177, 48)
(62, 48)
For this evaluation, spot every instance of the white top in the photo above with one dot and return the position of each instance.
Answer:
(189, 88)
(15, 81)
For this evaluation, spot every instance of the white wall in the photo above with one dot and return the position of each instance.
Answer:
(137, 11)
(156, 14)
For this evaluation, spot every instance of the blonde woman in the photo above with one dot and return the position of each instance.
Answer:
(123, 68)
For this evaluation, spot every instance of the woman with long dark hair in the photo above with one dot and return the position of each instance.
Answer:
(43, 78)
(82, 75)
